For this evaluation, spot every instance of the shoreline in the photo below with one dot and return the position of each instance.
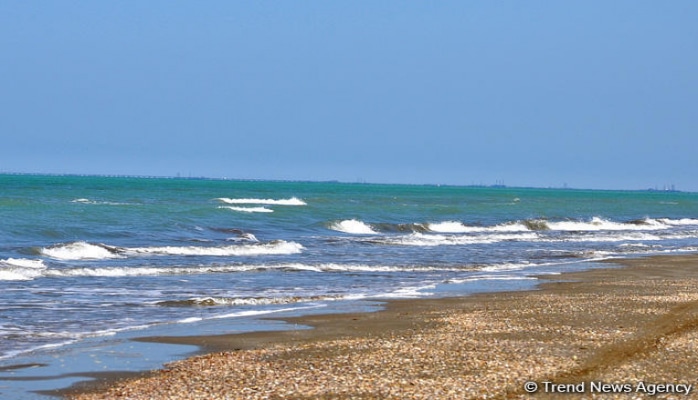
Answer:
(626, 325)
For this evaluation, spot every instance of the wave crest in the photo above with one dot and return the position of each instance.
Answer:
(89, 251)
(358, 227)
(241, 301)
(20, 269)
(431, 240)
(352, 226)
(459, 227)
(81, 251)
(117, 272)
(249, 209)
(274, 247)
(98, 202)
(592, 225)
(293, 201)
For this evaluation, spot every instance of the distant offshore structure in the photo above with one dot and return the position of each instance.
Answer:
(667, 188)
(497, 184)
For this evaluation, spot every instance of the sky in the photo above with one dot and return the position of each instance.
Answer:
(587, 94)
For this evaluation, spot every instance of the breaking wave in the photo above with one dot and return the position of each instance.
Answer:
(97, 202)
(90, 251)
(82, 251)
(242, 301)
(38, 270)
(600, 224)
(677, 222)
(20, 269)
(275, 247)
(352, 226)
(248, 209)
(23, 263)
(459, 227)
(293, 201)
(595, 224)
(420, 239)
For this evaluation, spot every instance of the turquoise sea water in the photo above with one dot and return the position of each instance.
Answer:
(87, 257)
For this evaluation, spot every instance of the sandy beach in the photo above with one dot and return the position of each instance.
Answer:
(623, 333)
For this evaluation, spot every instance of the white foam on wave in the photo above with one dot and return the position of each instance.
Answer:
(81, 251)
(113, 272)
(635, 246)
(252, 301)
(596, 229)
(330, 267)
(293, 201)
(595, 224)
(24, 263)
(248, 209)
(449, 227)
(459, 227)
(88, 251)
(353, 226)
(607, 237)
(15, 275)
(678, 222)
(601, 224)
(246, 313)
(488, 277)
(507, 267)
(244, 237)
(272, 248)
(96, 202)
(20, 269)
(409, 292)
(116, 272)
(420, 239)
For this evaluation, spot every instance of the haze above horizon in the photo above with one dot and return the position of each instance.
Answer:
(586, 94)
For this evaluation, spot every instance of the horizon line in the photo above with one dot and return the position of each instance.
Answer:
(497, 185)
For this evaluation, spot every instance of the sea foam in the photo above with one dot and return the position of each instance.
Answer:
(23, 263)
(20, 269)
(98, 202)
(459, 227)
(430, 240)
(352, 226)
(89, 251)
(593, 225)
(293, 201)
(117, 272)
(81, 251)
(248, 209)
(275, 247)
(601, 224)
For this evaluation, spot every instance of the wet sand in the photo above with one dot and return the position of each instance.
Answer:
(591, 333)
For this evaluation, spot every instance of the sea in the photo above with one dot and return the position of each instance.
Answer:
(86, 261)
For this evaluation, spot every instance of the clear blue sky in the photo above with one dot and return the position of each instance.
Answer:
(594, 94)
